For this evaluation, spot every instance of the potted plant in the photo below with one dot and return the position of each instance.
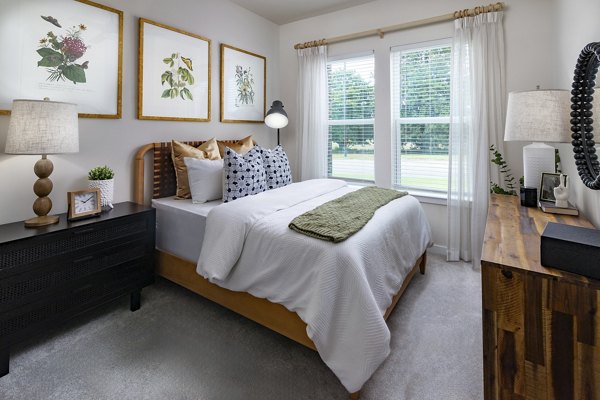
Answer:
(103, 178)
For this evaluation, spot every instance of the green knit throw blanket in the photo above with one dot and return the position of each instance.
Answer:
(341, 218)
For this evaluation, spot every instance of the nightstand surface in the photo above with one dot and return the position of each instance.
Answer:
(17, 230)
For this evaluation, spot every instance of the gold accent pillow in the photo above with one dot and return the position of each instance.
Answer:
(241, 147)
(208, 150)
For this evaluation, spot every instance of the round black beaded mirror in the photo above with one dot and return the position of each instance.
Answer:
(584, 148)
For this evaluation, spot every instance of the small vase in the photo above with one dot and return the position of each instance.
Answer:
(106, 187)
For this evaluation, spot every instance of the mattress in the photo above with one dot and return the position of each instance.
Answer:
(180, 226)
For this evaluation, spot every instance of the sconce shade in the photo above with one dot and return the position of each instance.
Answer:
(42, 127)
(276, 117)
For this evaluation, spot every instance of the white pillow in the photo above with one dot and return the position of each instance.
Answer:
(205, 177)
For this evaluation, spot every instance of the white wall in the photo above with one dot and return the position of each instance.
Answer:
(114, 142)
(578, 25)
(543, 39)
(530, 54)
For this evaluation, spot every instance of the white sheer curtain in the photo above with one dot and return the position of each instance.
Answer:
(478, 109)
(312, 112)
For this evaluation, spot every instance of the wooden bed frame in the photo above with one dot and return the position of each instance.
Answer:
(183, 272)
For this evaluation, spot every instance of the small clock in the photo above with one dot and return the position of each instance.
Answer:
(84, 203)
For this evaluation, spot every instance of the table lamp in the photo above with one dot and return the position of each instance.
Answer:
(42, 127)
(538, 116)
(276, 117)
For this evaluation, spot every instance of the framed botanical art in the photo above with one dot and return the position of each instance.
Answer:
(69, 51)
(243, 85)
(173, 74)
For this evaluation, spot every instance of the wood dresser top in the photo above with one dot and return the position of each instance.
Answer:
(512, 238)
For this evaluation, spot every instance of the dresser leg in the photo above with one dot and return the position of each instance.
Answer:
(135, 301)
(4, 359)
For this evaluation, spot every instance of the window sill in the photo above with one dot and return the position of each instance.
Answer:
(430, 197)
(422, 195)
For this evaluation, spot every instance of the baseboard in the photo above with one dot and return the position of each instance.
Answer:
(438, 249)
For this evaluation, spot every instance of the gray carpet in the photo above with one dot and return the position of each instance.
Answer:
(181, 346)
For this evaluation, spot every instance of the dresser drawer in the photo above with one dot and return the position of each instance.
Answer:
(42, 250)
(104, 287)
(26, 287)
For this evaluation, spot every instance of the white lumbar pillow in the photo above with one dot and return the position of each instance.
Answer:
(206, 179)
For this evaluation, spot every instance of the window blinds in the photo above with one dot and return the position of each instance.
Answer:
(351, 86)
(421, 116)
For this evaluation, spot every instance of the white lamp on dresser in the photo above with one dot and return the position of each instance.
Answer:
(538, 116)
(42, 127)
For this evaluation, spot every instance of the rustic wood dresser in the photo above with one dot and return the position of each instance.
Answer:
(541, 329)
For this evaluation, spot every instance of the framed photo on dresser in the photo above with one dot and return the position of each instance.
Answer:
(548, 183)
(71, 53)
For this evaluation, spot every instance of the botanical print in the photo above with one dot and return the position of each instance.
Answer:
(243, 85)
(173, 74)
(244, 80)
(60, 53)
(177, 77)
(69, 51)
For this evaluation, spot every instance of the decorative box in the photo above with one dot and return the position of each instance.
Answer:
(571, 248)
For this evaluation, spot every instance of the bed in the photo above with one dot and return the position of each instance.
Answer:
(228, 286)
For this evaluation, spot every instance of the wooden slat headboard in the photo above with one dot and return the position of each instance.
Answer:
(164, 182)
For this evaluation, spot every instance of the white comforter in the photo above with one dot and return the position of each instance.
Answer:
(340, 290)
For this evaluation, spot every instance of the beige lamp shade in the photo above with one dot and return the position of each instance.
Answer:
(538, 116)
(42, 127)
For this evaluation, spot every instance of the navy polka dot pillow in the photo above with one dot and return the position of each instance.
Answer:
(277, 167)
(244, 175)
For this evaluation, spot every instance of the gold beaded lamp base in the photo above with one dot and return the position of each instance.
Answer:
(42, 188)
(41, 221)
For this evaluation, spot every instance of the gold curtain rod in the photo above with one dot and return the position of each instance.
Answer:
(469, 12)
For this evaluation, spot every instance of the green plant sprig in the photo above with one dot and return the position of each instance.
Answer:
(101, 173)
(509, 179)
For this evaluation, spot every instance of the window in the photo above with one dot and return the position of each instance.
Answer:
(421, 116)
(351, 85)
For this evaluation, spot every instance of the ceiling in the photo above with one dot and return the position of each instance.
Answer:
(285, 11)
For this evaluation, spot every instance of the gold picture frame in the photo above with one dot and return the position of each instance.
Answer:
(85, 196)
(239, 100)
(163, 97)
(97, 95)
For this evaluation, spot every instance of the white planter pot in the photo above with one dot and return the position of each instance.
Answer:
(106, 187)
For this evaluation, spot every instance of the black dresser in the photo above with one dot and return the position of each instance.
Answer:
(52, 273)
